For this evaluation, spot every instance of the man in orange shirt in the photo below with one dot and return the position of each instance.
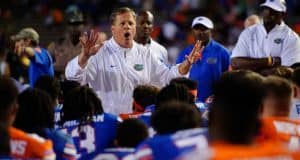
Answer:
(276, 124)
(22, 145)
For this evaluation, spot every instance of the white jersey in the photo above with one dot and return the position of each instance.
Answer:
(295, 110)
(114, 72)
(158, 51)
(281, 41)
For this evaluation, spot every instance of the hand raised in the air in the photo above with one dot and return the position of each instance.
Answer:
(89, 43)
(196, 53)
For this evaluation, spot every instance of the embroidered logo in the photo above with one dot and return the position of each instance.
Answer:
(278, 40)
(112, 66)
(138, 67)
(211, 60)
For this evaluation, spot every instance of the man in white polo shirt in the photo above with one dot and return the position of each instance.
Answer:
(116, 68)
(269, 44)
(144, 28)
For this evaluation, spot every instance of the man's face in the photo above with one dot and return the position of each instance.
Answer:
(270, 16)
(144, 25)
(201, 33)
(124, 29)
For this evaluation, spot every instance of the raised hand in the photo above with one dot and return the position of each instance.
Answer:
(196, 53)
(89, 43)
(90, 46)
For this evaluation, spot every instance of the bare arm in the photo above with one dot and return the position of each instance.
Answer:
(255, 64)
(195, 55)
(90, 46)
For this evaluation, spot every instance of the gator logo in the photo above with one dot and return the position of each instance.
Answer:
(211, 60)
(138, 67)
(278, 40)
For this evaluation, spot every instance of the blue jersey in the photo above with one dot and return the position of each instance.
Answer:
(63, 145)
(112, 154)
(94, 136)
(146, 118)
(150, 108)
(170, 146)
(201, 106)
(57, 118)
(40, 64)
(215, 60)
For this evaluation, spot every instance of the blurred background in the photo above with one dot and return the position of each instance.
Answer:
(172, 17)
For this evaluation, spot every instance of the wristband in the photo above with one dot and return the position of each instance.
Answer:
(270, 61)
(273, 61)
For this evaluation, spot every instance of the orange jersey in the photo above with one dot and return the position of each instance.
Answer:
(266, 151)
(280, 129)
(25, 145)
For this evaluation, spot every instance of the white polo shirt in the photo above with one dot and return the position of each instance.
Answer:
(158, 51)
(114, 72)
(281, 41)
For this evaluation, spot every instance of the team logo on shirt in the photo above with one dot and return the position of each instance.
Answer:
(211, 60)
(278, 40)
(138, 67)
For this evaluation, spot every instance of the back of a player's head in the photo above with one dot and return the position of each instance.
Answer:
(174, 116)
(190, 84)
(4, 139)
(8, 97)
(81, 103)
(278, 99)
(234, 112)
(283, 72)
(174, 92)
(296, 77)
(145, 95)
(50, 85)
(35, 111)
(130, 133)
(67, 86)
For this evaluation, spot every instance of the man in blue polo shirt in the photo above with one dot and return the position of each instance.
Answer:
(214, 61)
(39, 60)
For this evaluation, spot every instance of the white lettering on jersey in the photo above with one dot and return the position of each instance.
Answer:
(18, 147)
(286, 127)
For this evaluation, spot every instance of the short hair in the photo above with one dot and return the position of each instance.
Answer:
(66, 86)
(50, 85)
(279, 91)
(283, 72)
(35, 111)
(175, 116)
(119, 11)
(296, 77)
(145, 95)
(81, 103)
(5, 140)
(8, 94)
(131, 132)
(238, 96)
(189, 83)
(177, 92)
(278, 87)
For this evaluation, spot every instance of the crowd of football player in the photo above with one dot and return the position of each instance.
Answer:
(248, 116)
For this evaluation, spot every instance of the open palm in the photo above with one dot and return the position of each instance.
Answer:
(196, 53)
(89, 43)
